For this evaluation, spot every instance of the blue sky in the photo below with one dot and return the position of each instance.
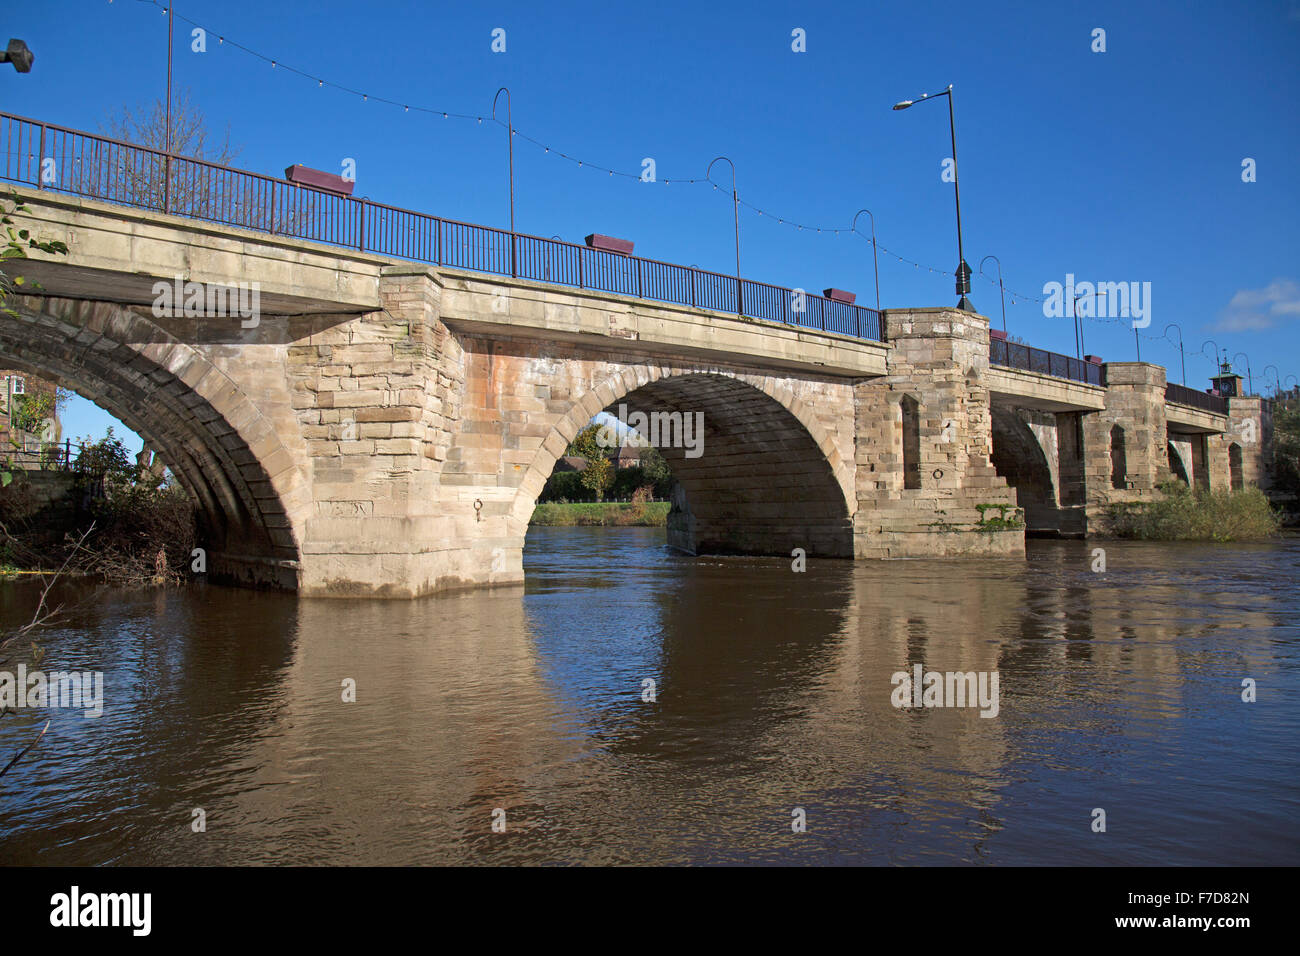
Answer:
(1123, 165)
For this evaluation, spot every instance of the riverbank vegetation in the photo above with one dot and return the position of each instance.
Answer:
(1286, 457)
(122, 521)
(608, 514)
(1181, 514)
(600, 478)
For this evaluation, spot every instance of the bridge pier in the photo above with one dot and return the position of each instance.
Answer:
(380, 400)
(926, 485)
(1126, 443)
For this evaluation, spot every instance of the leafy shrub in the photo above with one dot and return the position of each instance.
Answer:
(1181, 514)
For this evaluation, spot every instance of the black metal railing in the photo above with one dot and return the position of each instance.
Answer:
(33, 455)
(1029, 359)
(73, 161)
(1205, 401)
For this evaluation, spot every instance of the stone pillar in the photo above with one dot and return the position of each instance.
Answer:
(1200, 476)
(1125, 444)
(1072, 492)
(925, 482)
(1246, 432)
(378, 398)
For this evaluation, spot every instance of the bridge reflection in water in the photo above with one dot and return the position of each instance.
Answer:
(1119, 691)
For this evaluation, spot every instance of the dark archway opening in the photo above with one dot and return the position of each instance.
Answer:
(910, 409)
(1118, 458)
(1235, 475)
(1019, 458)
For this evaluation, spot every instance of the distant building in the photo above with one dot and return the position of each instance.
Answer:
(17, 387)
(627, 457)
(571, 463)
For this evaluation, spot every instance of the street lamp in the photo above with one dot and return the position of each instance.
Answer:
(874, 259)
(18, 54)
(1182, 357)
(963, 270)
(1078, 327)
(167, 158)
(1220, 365)
(1001, 291)
(1250, 384)
(510, 139)
(735, 204)
(1277, 382)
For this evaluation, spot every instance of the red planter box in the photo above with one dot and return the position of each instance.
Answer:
(622, 247)
(317, 179)
(997, 335)
(839, 295)
(1094, 359)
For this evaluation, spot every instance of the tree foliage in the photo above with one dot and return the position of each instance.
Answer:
(17, 242)
(598, 476)
(586, 444)
(1286, 445)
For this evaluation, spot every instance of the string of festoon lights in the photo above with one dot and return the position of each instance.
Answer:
(323, 82)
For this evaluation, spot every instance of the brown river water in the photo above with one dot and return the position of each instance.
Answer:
(773, 707)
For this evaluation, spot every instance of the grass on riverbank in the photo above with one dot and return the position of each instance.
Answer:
(610, 514)
(1181, 514)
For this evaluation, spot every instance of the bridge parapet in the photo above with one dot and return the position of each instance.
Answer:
(87, 164)
(1026, 358)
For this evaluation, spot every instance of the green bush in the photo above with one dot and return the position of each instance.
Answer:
(653, 514)
(1181, 514)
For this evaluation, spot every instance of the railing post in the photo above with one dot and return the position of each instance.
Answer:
(437, 241)
(514, 267)
(273, 207)
(692, 272)
(580, 280)
(361, 231)
(40, 162)
(638, 280)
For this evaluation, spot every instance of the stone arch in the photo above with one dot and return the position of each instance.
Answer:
(770, 478)
(1236, 477)
(249, 491)
(1018, 456)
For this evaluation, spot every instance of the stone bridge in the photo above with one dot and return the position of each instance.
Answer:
(384, 427)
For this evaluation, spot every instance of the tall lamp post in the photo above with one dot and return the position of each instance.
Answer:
(1287, 379)
(735, 205)
(1001, 291)
(963, 270)
(167, 157)
(1250, 382)
(875, 261)
(1181, 356)
(1078, 326)
(510, 134)
(1220, 364)
(1277, 382)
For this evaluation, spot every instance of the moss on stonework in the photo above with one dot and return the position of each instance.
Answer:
(1001, 522)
